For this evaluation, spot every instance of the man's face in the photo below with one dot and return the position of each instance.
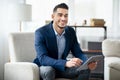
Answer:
(60, 17)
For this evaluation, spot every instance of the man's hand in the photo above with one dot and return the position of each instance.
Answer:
(74, 62)
(92, 65)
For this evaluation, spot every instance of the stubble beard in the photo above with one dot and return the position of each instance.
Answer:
(61, 27)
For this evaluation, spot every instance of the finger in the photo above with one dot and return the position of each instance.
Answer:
(76, 64)
(79, 61)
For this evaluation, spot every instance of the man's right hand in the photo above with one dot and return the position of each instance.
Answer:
(74, 62)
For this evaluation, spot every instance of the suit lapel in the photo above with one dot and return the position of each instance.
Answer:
(53, 40)
(67, 38)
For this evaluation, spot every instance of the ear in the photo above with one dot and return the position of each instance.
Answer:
(52, 16)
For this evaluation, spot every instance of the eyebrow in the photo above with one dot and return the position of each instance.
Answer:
(62, 13)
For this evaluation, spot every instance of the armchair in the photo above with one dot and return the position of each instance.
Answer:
(111, 51)
(22, 53)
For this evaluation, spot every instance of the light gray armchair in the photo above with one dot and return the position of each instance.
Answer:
(111, 51)
(22, 53)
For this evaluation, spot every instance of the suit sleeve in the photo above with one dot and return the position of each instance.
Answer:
(76, 50)
(42, 53)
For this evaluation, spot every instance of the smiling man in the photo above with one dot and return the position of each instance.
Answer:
(53, 42)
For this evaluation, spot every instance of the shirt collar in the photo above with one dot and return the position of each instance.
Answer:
(57, 33)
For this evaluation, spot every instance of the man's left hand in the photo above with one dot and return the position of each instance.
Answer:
(92, 65)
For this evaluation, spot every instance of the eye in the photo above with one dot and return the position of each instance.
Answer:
(60, 14)
(66, 15)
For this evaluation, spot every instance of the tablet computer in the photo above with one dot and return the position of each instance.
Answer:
(95, 58)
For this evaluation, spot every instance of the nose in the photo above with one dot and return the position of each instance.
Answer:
(63, 18)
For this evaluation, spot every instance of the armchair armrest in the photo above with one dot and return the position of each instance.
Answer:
(114, 71)
(115, 65)
(21, 71)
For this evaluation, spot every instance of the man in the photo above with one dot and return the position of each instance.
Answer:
(53, 42)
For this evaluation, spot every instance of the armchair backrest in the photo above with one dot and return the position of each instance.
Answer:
(111, 48)
(21, 47)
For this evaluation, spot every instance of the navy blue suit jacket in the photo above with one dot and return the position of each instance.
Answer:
(47, 51)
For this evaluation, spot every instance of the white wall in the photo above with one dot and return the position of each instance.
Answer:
(105, 10)
(6, 26)
(84, 10)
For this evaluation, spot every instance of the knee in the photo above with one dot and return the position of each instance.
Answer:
(47, 71)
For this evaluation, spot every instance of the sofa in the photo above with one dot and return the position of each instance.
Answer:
(22, 53)
(111, 52)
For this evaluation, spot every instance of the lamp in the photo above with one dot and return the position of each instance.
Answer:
(23, 13)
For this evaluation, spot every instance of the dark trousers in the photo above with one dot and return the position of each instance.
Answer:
(49, 73)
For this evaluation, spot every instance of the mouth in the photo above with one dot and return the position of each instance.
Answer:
(61, 27)
(63, 23)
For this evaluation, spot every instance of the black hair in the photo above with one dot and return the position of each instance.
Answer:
(61, 5)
